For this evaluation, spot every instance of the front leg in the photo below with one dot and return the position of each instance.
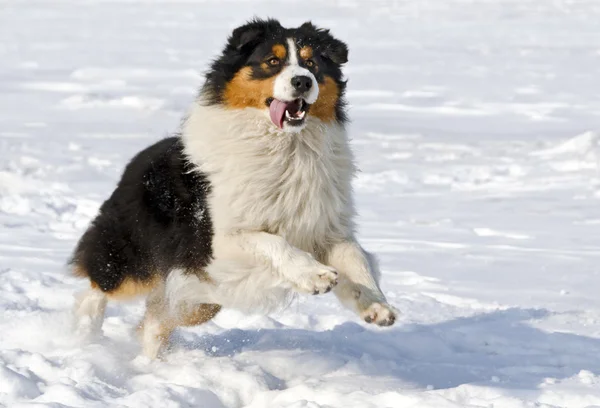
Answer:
(294, 267)
(358, 287)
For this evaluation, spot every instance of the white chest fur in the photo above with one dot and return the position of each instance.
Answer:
(294, 185)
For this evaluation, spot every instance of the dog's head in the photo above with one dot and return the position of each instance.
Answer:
(291, 74)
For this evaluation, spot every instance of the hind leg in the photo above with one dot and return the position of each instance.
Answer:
(164, 315)
(90, 305)
(89, 311)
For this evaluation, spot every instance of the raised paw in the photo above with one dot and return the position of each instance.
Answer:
(380, 314)
(318, 280)
(325, 281)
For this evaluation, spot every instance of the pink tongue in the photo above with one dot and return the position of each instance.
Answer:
(277, 111)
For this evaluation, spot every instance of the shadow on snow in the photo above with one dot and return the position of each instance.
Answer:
(500, 349)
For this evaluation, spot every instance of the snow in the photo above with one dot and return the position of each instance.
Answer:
(475, 125)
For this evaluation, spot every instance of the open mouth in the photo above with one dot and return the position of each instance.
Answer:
(292, 113)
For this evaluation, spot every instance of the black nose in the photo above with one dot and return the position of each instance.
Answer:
(301, 83)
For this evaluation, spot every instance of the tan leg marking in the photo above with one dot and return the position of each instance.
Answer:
(131, 288)
(158, 324)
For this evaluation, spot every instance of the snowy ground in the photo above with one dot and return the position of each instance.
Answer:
(474, 123)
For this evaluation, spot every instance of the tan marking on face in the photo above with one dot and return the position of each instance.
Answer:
(131, 288)
(306, 52)
(244, 92)
(324, 106)
(279, 51)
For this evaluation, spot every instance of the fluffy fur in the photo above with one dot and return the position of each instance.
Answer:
(236, 211)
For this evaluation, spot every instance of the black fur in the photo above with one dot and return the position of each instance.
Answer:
(249, 44)
(149, 225)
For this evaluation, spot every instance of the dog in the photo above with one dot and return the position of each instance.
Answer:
(249, 204)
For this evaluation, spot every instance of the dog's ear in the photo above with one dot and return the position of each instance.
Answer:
(250, 34)
(336, 51)
(331, 48)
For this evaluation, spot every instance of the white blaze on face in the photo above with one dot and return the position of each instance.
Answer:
(283, 89)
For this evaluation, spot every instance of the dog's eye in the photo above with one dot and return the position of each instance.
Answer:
(310, 63)
(273, 61)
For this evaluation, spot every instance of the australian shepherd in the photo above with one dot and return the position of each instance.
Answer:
(248, 204)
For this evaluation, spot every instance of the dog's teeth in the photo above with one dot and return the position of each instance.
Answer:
(299, 115)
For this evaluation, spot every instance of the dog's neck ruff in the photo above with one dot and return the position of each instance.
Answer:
(297, 185)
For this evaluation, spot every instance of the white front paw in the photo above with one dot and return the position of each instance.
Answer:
(381, 314)
(314, 277)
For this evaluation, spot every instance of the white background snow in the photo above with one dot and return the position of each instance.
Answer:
(475, 126)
